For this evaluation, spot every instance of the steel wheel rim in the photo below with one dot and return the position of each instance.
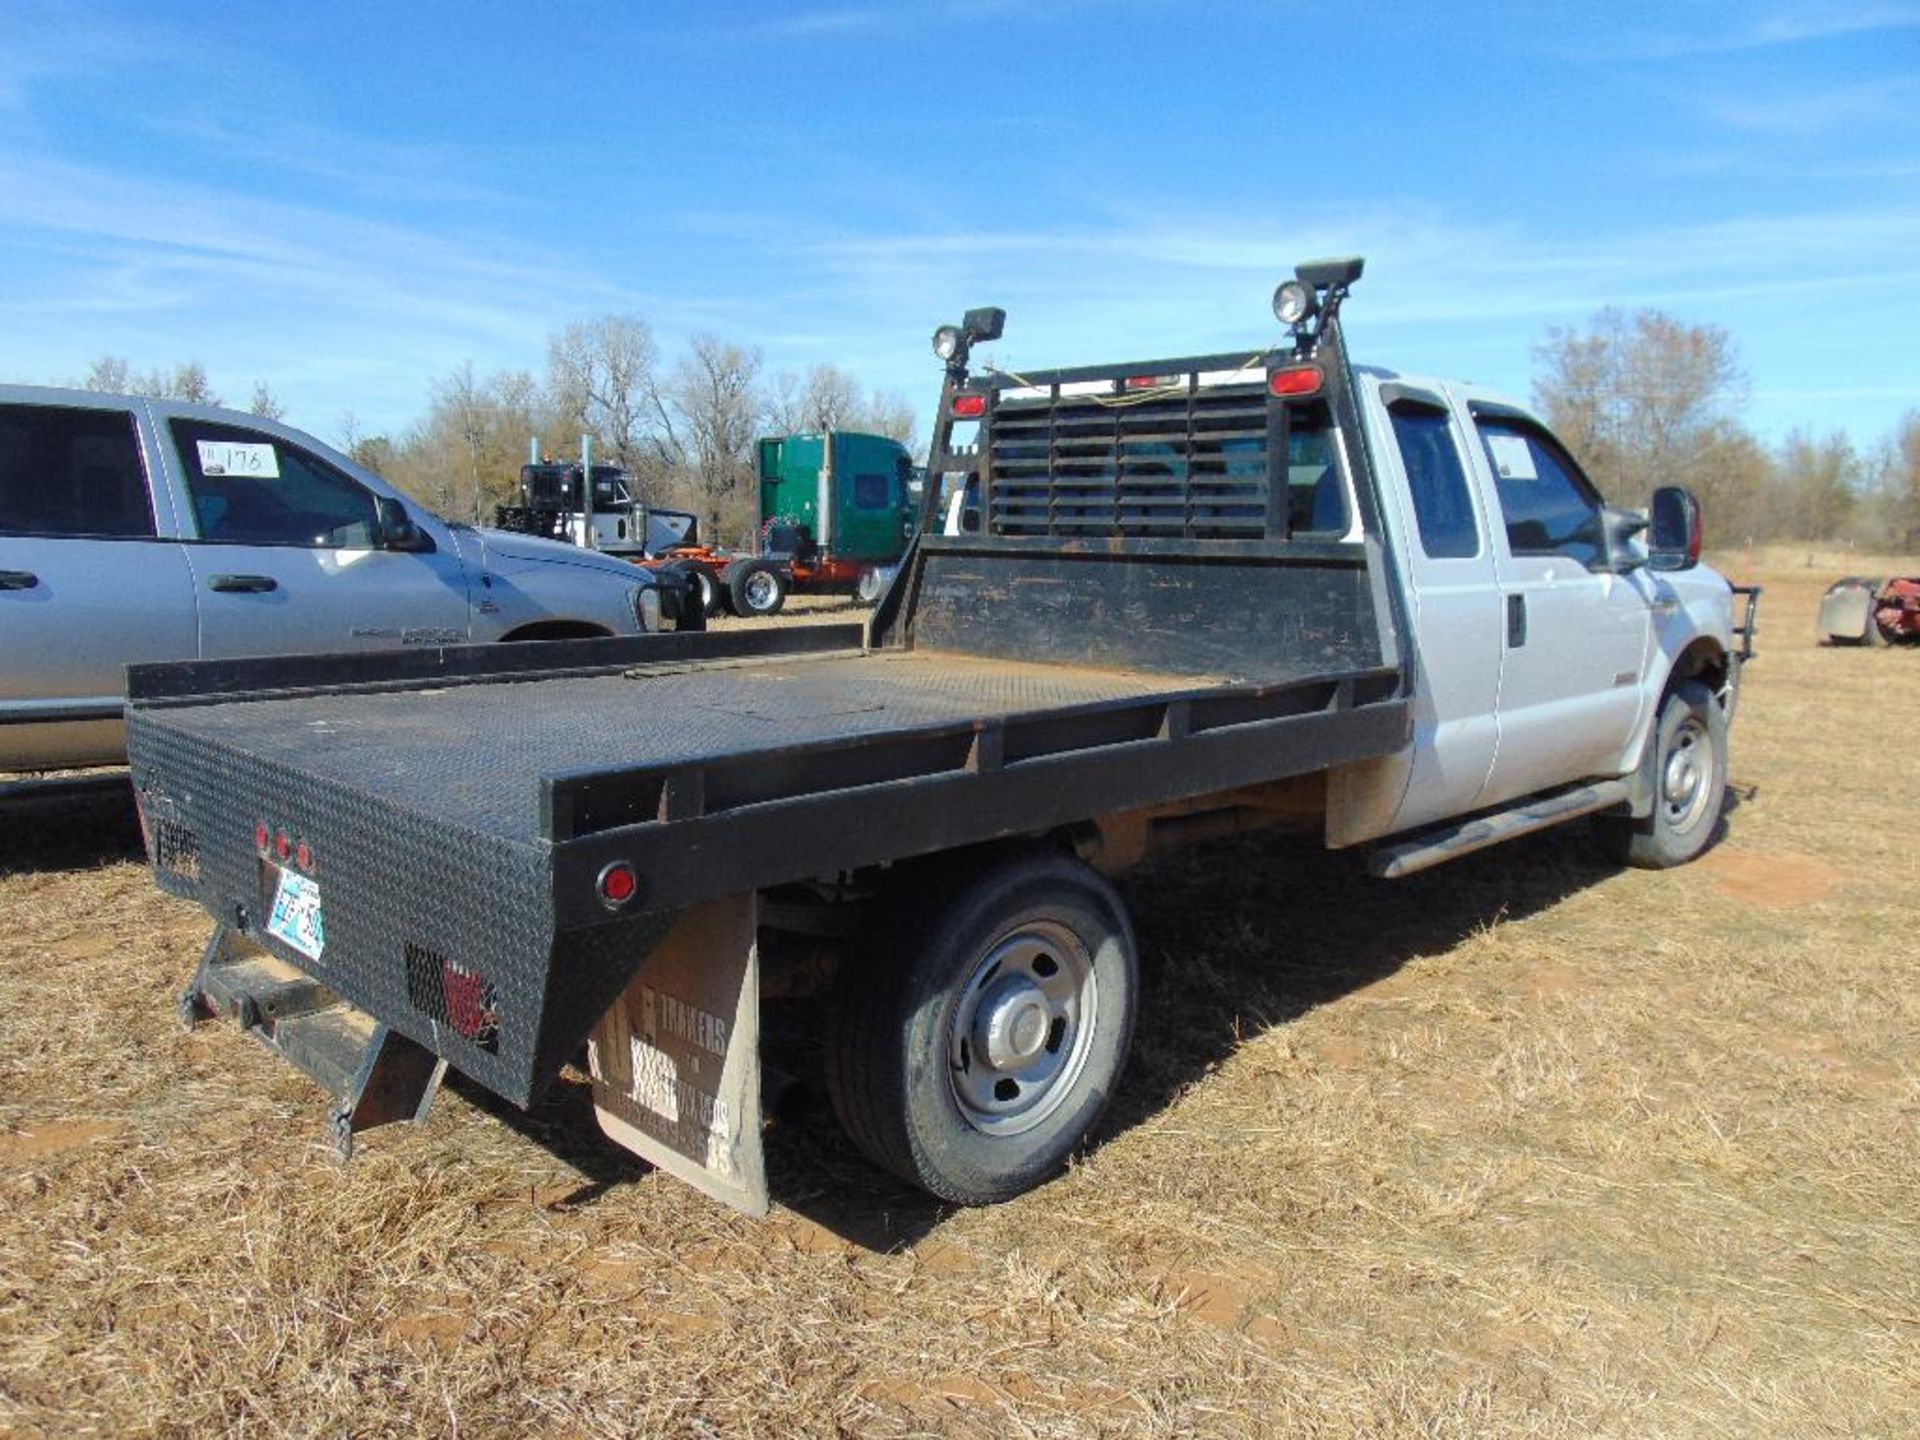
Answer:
(760, 590)
(1021, 1029)
(1686, 776)
(705, 582)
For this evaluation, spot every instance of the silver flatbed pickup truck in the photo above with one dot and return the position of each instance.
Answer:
(135, 530)
(1194, 596)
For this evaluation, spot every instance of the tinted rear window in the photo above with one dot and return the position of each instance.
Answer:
(73, 472)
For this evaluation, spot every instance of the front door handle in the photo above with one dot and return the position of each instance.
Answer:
(244, 584)
(18, 580)
(1516, 621)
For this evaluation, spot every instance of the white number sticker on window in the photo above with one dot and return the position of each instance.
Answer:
(1512, 457)
(239, 457)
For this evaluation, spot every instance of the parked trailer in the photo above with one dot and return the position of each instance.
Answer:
(1204, 594)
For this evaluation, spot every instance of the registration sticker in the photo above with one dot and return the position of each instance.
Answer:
(239, 457)
(296, 917)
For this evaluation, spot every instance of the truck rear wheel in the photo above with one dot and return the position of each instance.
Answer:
(758, 588)
(1689, 783)
(971, 1053)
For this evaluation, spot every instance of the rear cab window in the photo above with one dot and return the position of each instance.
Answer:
(247, 487)
(74, 472)
(1436, 480)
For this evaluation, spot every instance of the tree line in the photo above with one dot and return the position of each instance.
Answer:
(1642, 398)
(684, 429)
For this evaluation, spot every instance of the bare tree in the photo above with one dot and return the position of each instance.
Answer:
(265, 403)
(187, 381)
(1819, 480)
(110, 373)
(714, 394)
(1645, 400)
(786, 404)
(1638, 396)
(830, 401)
(603, 378)
(890, 413)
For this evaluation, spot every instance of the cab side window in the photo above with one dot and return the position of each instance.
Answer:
(1549, 506)
(73, 472)
(1442, 502)
(250, 488)
(870, 492)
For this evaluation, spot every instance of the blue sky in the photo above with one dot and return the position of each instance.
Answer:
(348, 200)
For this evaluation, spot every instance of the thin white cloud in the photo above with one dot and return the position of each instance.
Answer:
(1781, 28)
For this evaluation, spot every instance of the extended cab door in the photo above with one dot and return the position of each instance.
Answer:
(1443, 545)
(1575, 634)
(288, 555)
(91, 577)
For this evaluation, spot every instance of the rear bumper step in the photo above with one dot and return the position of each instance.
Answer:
(375, 1075)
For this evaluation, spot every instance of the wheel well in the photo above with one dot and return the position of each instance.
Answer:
(1704, 661)
(558, 630)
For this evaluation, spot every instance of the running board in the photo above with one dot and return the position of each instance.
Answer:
(375, 1075)
(1448, 842)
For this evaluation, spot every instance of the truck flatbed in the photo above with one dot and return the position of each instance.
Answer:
(461, 753)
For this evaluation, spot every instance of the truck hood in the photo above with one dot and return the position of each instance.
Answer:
(503, 552)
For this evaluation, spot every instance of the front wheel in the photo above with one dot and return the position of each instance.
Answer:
(972, 1052)
(1689, 784)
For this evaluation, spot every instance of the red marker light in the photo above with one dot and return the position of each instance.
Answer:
(282, 846)
(969, 407)
(261, 837)
(618, 884)
(1150, 382)
(1296, 382)
(303, 856)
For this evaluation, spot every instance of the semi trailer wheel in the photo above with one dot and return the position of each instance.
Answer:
(971, 1050)
(758, 588)
(1689, 783)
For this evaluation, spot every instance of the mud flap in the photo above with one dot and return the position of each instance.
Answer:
(676, 1059)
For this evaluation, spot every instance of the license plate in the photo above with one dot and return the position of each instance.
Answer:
(296, 917)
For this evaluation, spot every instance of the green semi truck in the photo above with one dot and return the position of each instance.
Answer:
(838, 508)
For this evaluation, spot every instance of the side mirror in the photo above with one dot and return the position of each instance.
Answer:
(1619, 527)
(397, 530)
(1674, 530)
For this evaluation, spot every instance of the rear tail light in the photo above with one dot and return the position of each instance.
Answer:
(1151, 382)
(969, 407)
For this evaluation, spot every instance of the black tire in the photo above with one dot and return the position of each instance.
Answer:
(712, 593)
(1031, 956)
(697, 581)
(1689, 784)
(758, 588)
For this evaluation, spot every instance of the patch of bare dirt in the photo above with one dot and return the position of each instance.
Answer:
(1776, 879)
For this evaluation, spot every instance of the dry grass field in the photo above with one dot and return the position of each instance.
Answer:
(1521, 1147)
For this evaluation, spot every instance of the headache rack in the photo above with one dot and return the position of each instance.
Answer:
(1179, 454)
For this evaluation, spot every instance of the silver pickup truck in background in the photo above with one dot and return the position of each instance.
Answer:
(135, 530)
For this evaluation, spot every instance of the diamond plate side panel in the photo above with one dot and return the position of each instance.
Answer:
(389, 877)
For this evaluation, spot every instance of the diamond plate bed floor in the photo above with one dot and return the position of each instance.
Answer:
(474, 754)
